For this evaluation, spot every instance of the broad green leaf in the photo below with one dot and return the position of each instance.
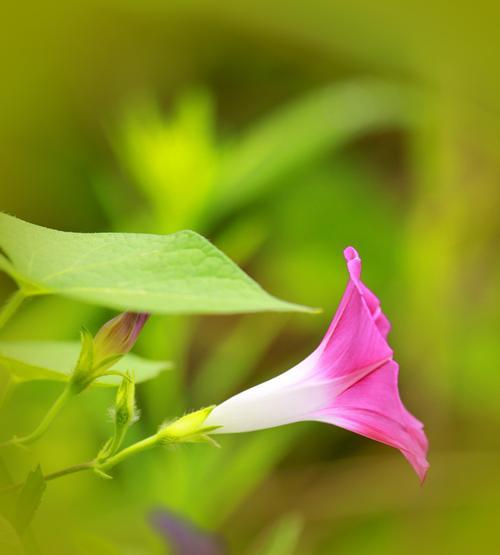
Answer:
(54, 360)
(29, 499)
(10, 544)
(177, 273)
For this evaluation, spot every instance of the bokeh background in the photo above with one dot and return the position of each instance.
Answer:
(283, 131)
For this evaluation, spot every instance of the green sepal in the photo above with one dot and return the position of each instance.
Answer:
(188, 428)
(102, 474)
(82, 375)
(108, 362)
(204, 437)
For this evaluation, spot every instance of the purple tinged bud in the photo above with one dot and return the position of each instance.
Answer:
(118, 336)
(98, 354)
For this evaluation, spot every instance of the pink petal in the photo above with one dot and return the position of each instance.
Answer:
(354, 266)
(372, 408)
(354, 341)
(356, 357)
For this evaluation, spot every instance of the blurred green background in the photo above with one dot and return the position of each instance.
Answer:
(284, 132)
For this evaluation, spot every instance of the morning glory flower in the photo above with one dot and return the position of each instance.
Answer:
(350, 380)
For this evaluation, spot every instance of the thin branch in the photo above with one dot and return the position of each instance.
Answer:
(53, 476)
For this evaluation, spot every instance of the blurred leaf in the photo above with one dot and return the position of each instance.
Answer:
(305, 130)
(243, 469)
(225, 370)
(283, 538)
(10, 544)
(6, 383)
(29, 499)
(55, 360)
(177, 273)
(173, 160)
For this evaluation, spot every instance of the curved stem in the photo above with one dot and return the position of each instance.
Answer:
(44, 425)
(11, 306)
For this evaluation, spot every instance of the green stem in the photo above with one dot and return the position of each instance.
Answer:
(44, 425)
(11, 306)
(117, 440)
(53, 476)
(129, 451)
(70, 470)
(182, 429)
(94, 465)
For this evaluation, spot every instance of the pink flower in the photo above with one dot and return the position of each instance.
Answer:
(350, 380)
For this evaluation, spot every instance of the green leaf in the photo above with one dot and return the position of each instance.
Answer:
(10, 544)
(177, 273)
(55, 360)
(29, 499)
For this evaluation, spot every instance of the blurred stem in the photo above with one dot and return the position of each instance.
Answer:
(44, 425)
(11, 306)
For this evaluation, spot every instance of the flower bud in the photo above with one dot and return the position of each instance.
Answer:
(99, 353)
(125, 412)
(117, 337)
(124, 415)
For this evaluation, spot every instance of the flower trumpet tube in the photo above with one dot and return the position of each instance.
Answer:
(350, 380)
